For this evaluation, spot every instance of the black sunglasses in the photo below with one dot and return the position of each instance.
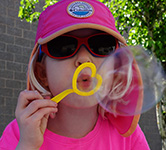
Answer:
(66, 46)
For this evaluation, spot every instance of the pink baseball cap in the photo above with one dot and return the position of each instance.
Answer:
(69, 15)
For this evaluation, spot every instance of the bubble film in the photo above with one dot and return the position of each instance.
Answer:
(133, 81)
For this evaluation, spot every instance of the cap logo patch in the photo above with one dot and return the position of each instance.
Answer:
(80, 9)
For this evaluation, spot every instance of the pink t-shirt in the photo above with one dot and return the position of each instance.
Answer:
(103, 137)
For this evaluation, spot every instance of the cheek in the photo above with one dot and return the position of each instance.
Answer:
(59, 76)
(99, 62)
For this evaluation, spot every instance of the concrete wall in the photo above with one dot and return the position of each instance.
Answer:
(16, 43)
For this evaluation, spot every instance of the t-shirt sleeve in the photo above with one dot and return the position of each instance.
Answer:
(139, 141)
(10, 137)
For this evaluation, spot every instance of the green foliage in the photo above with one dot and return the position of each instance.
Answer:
(27, 9)
(145, 23)
(49, 3)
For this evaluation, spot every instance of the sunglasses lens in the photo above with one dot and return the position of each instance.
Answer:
(102, 44)
(62, 46)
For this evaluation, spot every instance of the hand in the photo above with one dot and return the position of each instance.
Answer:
(32, 113)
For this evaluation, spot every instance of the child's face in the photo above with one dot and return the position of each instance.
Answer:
(60, 72)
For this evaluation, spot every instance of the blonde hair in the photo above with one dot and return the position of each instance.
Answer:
(34, 83)
(117, 91)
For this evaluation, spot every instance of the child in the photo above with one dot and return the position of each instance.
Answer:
(71, 124)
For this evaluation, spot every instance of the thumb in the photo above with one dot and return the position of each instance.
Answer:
(44, 123)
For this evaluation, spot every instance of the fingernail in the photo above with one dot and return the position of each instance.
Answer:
(55, 104)
(52, 115)
(46, 97)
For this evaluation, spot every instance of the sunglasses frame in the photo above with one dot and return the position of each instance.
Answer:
(81, 42)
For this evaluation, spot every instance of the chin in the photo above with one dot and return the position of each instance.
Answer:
(77, 101)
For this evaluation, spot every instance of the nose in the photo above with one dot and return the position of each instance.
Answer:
(82, 56)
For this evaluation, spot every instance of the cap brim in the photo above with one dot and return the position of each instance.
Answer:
(55, 33)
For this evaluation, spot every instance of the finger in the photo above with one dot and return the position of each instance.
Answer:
(43, 124)
(47, 97)
(52, 115)
(36, 105)
(26, 97)
(38, 116)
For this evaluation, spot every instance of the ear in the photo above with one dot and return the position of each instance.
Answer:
(40, 73)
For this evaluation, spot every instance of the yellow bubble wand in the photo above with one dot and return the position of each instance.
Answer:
(63, 94)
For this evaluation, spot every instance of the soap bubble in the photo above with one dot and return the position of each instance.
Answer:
(133, 81)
